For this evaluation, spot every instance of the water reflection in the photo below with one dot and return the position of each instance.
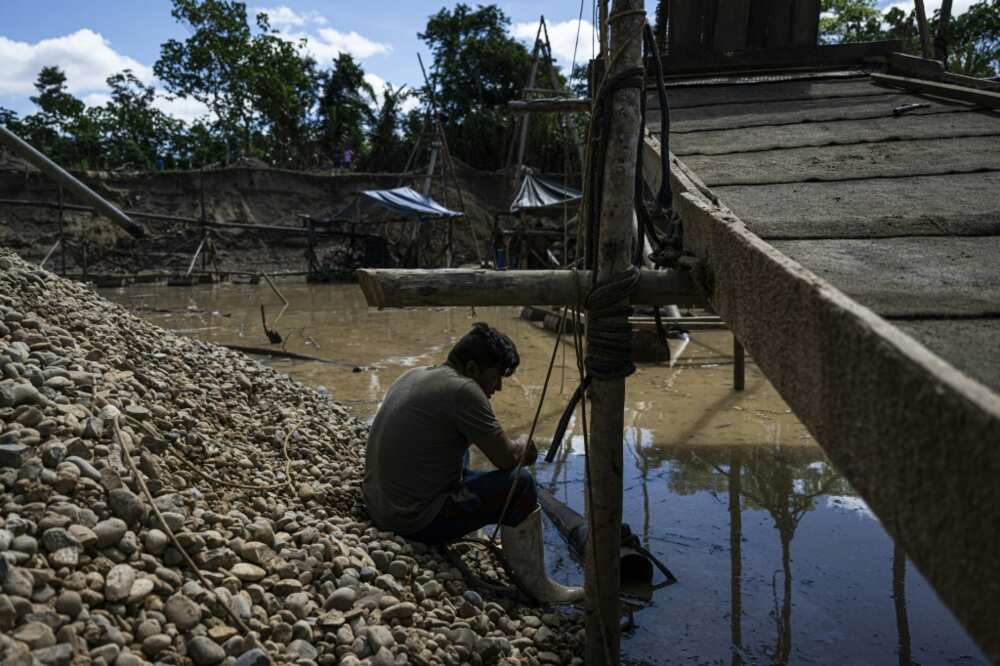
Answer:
(787, 598)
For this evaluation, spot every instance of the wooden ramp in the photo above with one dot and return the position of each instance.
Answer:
(855, 252)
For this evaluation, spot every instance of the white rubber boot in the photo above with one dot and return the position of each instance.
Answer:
(524, 549)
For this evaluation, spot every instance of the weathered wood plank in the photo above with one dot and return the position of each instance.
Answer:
(805, 22)
(915, 437)
(923, 206)
(840, 55)
(737, 116)
(908, 277)
(985, 98)
(893, 128)
(420, 288)
(971, 345)
(833, 163)
(905, 64)
(768, 93)
(731, 25)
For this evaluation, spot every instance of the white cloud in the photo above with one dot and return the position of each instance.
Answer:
(187, 110)
(322, 43)
(563, 37)
(86, 57)
(958, 7)
(285, 17)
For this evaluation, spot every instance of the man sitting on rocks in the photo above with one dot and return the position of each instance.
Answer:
(416, 483)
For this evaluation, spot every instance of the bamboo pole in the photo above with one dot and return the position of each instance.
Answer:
(925, 34)
(614, 255)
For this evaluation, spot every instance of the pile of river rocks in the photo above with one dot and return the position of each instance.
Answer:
(88, 572)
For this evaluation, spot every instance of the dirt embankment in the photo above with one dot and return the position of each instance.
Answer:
(243, 194)
(126, 449)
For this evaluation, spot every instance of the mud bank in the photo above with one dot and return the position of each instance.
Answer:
(252, 195)
(288, 570)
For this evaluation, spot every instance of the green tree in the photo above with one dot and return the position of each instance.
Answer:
(137, 134)
(973, 40)
(478, 69)
(388, 152)
(60, 115)
(214, 65)
(850, 21)
(345, 108)
(285, 93)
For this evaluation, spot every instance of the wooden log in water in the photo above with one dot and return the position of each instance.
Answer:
(461, 287)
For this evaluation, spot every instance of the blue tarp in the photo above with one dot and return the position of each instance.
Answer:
(404, 201)
(537, 192)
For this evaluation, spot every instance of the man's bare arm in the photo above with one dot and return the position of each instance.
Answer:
(504, 453)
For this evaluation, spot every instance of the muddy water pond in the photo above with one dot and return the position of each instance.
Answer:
(778, 561)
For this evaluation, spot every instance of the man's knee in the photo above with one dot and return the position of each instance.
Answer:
(525, 498)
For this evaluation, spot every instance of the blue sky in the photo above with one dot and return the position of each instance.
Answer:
(92, 39)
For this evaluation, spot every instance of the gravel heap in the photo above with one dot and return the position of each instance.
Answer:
(290, 570)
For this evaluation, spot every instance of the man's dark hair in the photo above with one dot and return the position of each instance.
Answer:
(488, 347)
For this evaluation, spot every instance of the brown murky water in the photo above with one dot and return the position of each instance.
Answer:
(778, 560)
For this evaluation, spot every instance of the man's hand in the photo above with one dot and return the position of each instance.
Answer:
(530, 454)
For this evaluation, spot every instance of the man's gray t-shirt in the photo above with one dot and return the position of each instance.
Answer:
(417, 443)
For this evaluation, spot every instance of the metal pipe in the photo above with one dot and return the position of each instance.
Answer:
(20, 147)
(636, 569)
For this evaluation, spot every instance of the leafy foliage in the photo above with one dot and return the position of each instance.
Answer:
(268, 98)
(478, 69)
(972, 38)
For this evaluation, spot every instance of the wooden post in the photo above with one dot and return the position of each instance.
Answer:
(614, 255)
(62, 236)
(739, 365)
(941, 39)
(925, 35)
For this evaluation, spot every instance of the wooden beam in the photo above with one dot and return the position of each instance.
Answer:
(905, 64)
(552, 104)
(839, 55)
(925, 34)
(984, 98)
(779, 23)
(397, 288)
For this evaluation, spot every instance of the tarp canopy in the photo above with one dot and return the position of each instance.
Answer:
(403, 201)
(537, 192)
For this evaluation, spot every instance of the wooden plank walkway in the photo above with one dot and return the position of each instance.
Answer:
(856, 254)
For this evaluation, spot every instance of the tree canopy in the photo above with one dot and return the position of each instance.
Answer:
(267, 98)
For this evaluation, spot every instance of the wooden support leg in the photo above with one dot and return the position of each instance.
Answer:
(739, 365)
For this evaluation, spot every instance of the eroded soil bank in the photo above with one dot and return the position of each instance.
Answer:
(778, 560)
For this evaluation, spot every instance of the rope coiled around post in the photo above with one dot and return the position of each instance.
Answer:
(609, 334)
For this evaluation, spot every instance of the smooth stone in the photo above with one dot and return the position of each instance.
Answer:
(400, 611)
(342, 599)
(182, 611)
(155, 644)
(118, 583)
(69, 603)
(204, 651)
(254, 657)
(248, 573)
(126, 505)
(35, 635)
(109, 532)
